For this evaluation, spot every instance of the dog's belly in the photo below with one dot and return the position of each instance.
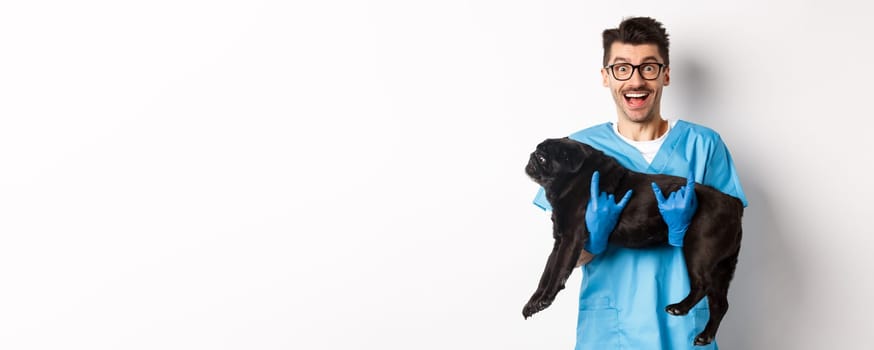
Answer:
(640, 225)
(639, 238)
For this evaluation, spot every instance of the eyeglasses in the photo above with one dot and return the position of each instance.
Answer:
(647, 71)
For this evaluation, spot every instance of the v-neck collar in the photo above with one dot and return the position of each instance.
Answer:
(662, 157)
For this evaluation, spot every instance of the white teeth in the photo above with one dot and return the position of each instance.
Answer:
(635, 95)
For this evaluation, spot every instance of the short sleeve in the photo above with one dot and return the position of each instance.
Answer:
(541, 201)
(720, 172)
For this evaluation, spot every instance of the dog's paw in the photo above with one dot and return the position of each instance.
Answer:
(534, 307)
(676, 310)
(702, 339)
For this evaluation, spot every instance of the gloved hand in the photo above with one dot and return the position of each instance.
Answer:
(677, 210)
(602, 213)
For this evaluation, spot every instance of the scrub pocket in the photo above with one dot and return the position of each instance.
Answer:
(598, 326)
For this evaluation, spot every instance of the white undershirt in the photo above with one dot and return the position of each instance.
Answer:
(648, 149)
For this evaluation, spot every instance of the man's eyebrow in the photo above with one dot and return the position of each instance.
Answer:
(645, 59)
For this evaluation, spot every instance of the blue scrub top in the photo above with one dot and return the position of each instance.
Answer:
(625, 291)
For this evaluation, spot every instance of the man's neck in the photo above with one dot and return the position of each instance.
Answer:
(647, 131)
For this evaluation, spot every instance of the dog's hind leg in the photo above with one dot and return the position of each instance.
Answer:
(700, 269)
(698, 289)
(718, 298)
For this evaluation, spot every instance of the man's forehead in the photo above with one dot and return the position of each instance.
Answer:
(624, 52)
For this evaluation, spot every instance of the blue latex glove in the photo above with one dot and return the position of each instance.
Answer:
(602, 213)
(677, 210)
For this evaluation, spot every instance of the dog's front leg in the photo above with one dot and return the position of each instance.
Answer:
(536, 303)
(565, 253)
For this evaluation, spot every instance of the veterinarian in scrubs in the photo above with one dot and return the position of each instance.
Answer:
(624, 291)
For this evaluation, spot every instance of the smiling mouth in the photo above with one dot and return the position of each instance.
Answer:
(636, 99)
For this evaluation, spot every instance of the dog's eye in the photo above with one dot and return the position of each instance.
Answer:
(542, 159)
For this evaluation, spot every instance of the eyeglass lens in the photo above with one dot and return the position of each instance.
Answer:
(623, 71)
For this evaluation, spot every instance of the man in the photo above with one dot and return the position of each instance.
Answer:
(624, 291)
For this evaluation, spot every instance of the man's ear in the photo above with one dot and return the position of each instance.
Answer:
(605, 77)
(667, 76)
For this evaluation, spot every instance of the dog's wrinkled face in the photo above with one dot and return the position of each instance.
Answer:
(553, 158)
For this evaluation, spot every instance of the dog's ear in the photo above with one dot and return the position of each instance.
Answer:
(573, 154)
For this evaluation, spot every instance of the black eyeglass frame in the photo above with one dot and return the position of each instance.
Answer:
(637, 68)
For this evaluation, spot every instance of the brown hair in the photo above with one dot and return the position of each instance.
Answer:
(637, 31)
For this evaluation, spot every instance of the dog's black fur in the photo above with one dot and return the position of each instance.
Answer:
(564, 168)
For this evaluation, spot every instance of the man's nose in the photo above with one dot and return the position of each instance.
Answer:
(636, 79)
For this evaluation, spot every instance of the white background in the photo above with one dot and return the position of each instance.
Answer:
(349, 174)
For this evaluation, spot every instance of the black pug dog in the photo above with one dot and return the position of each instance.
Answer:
(564, 168)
